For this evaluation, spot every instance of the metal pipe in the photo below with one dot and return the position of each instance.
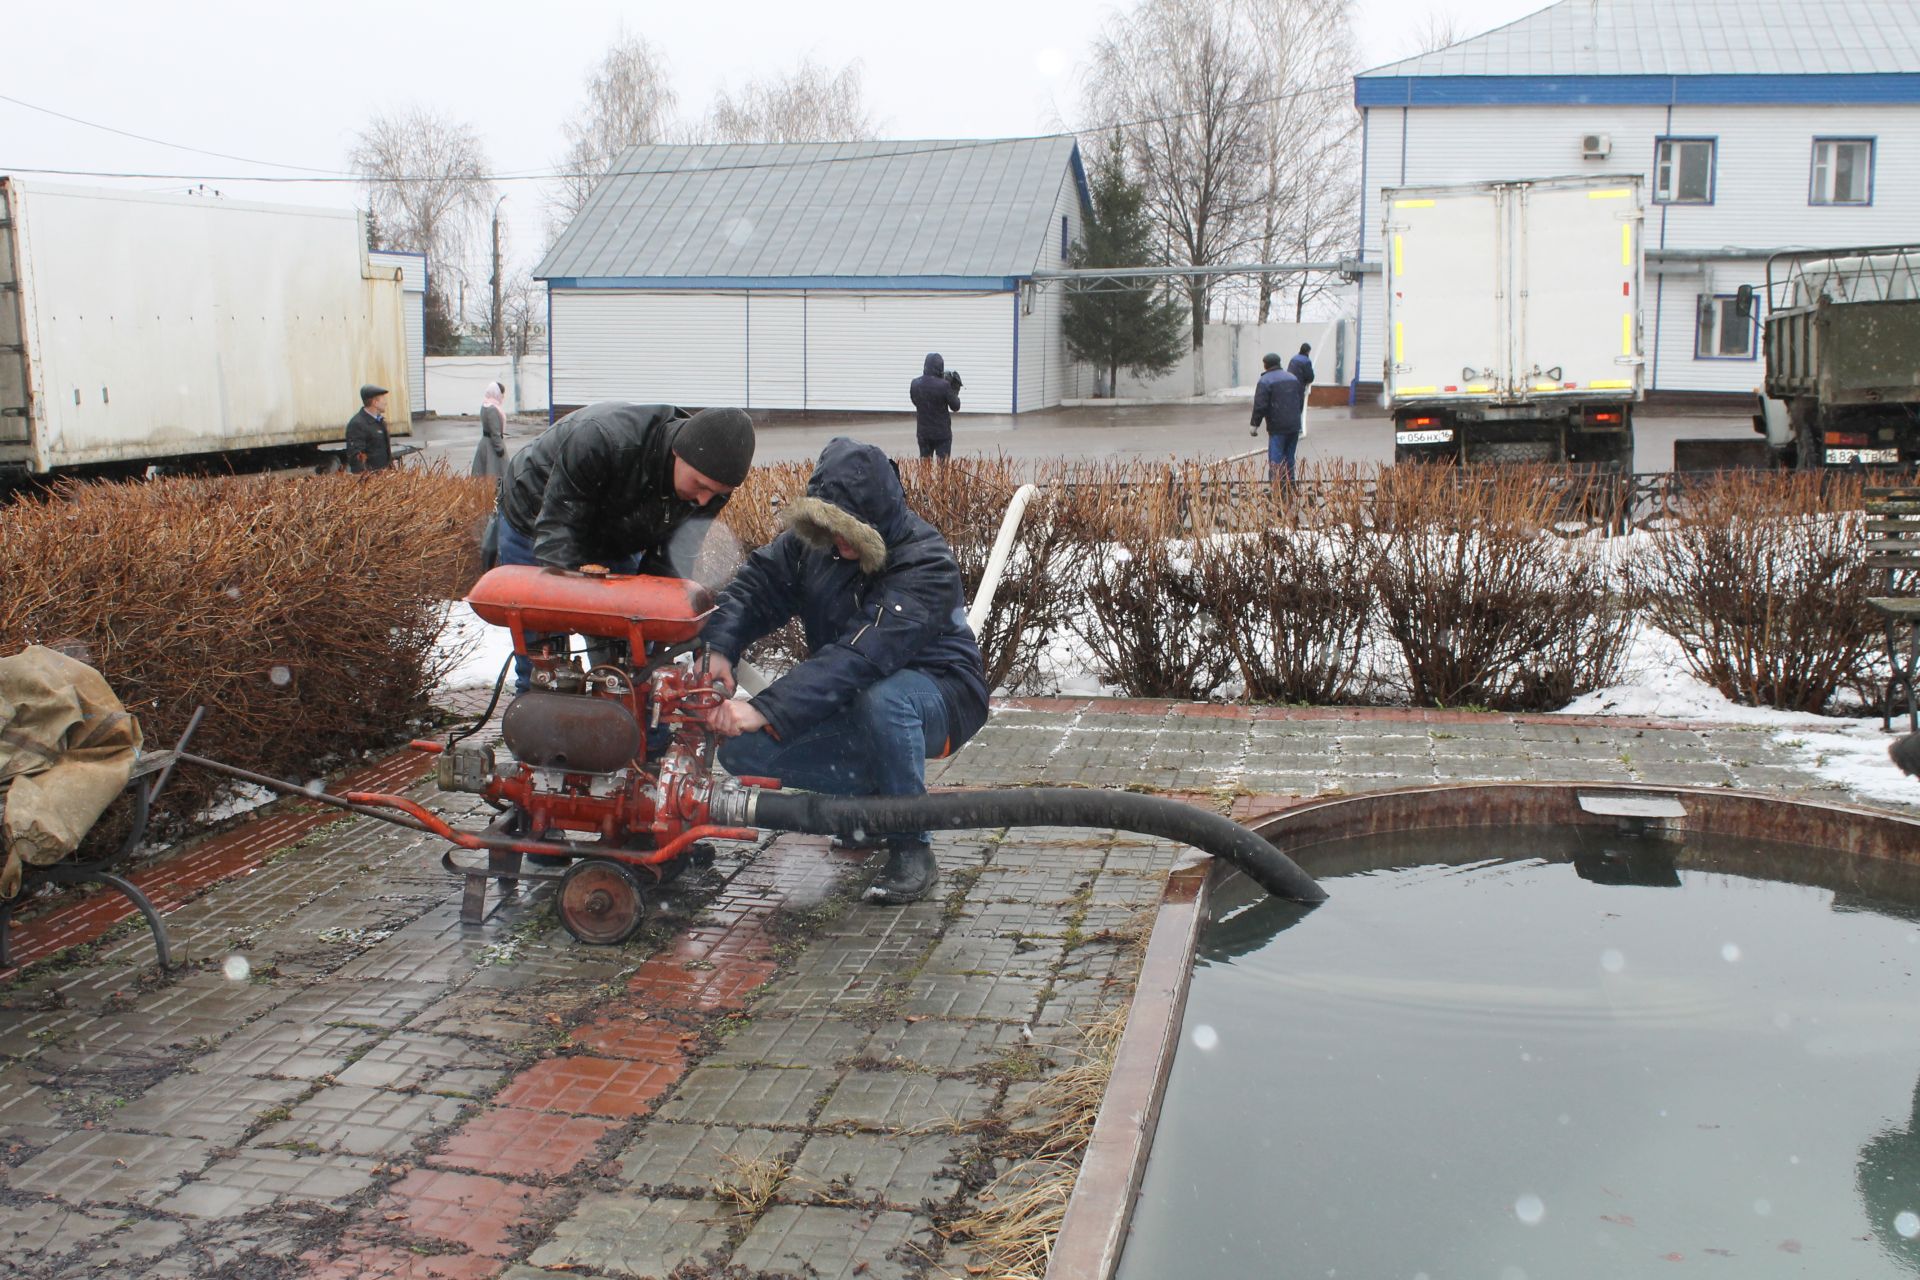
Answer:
(294, 789)
(1345, 266)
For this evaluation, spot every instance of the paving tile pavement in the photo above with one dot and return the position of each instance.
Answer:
(772, 1077)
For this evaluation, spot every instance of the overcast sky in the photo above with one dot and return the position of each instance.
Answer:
(291, 84)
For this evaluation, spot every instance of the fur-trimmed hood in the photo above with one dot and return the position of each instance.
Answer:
(854, 494)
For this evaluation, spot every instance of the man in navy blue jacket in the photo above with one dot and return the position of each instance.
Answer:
(1278, 399)
(893, 676)
(1301, 366)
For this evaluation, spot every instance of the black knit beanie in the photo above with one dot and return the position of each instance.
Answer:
(718, 443)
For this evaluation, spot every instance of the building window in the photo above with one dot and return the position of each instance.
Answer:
(1683, 171)
(1064, 245)
(1842, 171)
(1722, 330)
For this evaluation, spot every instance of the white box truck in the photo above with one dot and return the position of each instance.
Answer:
(1513, 321)
(141, 330)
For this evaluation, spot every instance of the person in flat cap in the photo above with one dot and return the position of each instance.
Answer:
(893, 675)
(625, 488)
(368, 446)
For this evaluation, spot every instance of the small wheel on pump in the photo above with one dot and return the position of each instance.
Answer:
(600, 902)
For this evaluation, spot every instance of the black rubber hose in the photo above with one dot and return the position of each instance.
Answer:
(823, 815)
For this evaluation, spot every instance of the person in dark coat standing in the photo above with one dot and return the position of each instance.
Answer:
(893, 676)
(1277, 400)
(1301, 366)
(490, 455)
(935, 394)
(618, 487)
(369, 448)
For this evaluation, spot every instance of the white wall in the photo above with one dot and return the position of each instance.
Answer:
(816, 349)
(455, 383)
(1762, 171)
(1232, 359)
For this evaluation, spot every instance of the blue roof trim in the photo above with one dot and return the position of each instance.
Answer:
(1080, 181)
(957, 284)
(1654, 91)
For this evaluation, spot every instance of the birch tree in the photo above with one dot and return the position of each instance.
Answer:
(1180, 83)
(808, 104)
(629, 100)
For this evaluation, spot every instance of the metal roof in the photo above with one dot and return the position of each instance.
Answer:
(827, 210)
(1686, 38)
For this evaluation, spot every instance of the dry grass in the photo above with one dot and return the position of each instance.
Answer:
(302, 611)
(1021, 1210)
(750, 1187)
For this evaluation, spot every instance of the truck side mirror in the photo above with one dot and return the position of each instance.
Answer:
(1743, 301)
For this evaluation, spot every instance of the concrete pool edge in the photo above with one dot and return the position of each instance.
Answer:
(1094, 1230)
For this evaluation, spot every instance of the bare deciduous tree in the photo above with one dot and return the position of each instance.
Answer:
(808, 104)
(1180, 82)
(522, 311)
(629, 100)
(426, 181)
(1440, 29)
(1308, 134)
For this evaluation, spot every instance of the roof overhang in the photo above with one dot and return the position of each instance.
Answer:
(861, 284)
(1645, 91)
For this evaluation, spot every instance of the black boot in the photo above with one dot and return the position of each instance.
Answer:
(909, 875)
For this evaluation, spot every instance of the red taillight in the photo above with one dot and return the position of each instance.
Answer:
(1846, 439)
(1606, 417)
(1421, 422)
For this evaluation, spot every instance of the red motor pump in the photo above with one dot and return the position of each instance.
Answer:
(579, 739)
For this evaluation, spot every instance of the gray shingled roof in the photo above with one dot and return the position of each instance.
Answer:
(773, 210)
(1687, 38)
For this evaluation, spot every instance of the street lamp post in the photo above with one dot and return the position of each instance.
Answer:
(499, 329)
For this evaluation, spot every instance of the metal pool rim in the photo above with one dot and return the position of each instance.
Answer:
(1094, 1230)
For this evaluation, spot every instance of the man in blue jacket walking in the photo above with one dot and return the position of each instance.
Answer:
(1278, 399)
(893, 676)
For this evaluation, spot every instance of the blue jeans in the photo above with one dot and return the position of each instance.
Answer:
(1281, 446)
(878, 745)
(516, 547)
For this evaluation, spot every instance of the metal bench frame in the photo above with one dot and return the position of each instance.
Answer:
(158, 766)
(1893, 548)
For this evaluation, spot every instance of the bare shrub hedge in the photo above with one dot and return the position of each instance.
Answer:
(1763, 583)
(304, 612)
(1292, 585)
(1148, 621)
(1486, 604)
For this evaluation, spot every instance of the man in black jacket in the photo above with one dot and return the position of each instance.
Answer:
(935, 395)
(892, 677)
(369, 448)
(618, 486)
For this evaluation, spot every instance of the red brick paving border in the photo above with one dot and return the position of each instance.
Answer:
(587, 1086)
(516, 1143)
(461, 1209)
(176, 879)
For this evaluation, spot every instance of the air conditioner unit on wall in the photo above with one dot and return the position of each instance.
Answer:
(1595, 146)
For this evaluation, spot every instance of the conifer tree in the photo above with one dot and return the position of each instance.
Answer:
(1121, 324)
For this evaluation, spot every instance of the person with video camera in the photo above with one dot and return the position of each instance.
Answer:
(935, 394)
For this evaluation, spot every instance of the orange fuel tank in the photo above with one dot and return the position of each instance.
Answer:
(635, 607)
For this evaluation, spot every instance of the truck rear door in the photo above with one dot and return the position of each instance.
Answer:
(1577, 289)
(1446, 293)
(16, 402)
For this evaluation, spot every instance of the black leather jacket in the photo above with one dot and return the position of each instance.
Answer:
(597, 486)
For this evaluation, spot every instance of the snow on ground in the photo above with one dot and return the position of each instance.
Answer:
(477, 648)
(1657, 686)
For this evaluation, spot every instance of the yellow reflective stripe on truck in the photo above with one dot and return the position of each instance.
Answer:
(1413, 204)
(1626, 333)
(1611, 385)
(1611, 193)
(1399, 255)
(1399, 342)
(1417, 391)
(1626, 244)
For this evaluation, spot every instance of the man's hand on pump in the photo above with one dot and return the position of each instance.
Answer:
(734, 717)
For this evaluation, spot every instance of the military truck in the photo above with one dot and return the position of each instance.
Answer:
(1842, 344)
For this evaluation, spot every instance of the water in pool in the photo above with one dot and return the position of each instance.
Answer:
(1547, 1055)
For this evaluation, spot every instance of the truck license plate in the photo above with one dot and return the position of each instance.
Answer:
(1442, 436)
(1870, 457)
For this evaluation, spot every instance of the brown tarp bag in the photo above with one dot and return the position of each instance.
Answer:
(67, 748)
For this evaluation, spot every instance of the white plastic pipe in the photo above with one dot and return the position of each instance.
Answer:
(997, 561)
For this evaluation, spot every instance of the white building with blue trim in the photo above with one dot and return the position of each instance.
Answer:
(1758, 125)
(816, 276)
